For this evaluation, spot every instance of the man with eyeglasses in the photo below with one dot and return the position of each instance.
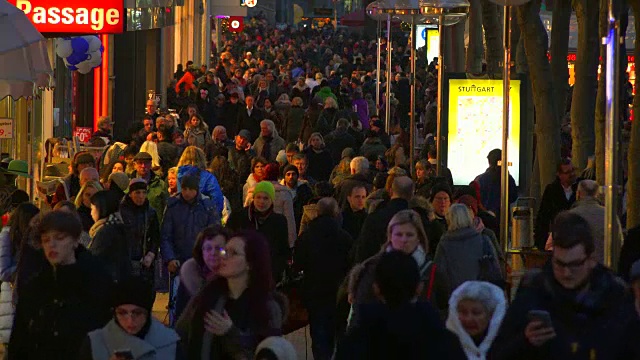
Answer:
(558, 196)
(573, 308)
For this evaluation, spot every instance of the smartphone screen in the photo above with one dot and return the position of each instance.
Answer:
(542, 316)
(124, 354)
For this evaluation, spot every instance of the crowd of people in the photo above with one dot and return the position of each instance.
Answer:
(276, 172)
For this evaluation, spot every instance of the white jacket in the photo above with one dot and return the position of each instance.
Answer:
(469, 290)
(7, 268)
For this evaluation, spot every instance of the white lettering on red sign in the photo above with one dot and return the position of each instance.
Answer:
(65, 17)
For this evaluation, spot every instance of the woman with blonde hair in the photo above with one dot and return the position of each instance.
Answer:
(319, 158)
(83, 203)
(405, 233)
(194, 162)
(172, 180)
(461, 249)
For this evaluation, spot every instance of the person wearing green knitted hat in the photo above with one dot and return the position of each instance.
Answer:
(265, 187)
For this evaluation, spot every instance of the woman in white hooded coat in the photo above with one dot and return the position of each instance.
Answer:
(476, 310)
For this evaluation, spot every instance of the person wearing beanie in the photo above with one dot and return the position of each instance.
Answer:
(300, 191)
(132, 333)
(188, 213)
(142, 229)
(275, 348)
(118, 182)
(70, 185)
(261, 216)
(441, 200)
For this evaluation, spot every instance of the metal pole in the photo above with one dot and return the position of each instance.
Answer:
(387, 105)
(378, 68)
(506, 78)
(412, 113)
(439, 129)
(611, 237)
(335, 14)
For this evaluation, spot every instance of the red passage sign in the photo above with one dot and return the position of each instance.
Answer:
(74, 16)
(236, 23)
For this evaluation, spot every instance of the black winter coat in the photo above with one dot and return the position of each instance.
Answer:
(629, 253)
(337, 141)
(58, 308)
(111, 248)
(602, 324)
(352, 221)
(142, 228)
(274, 228)
(322, 252)
(320, 164)
(250, 122)
(553, 202)
(410, 332)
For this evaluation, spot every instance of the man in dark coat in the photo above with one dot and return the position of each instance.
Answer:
(323, 239)
(590, 313)
(374, 230)
(354, 213)
(339, 139)
(359, 176)
(301, 191)
(558, 196)
(241, 154)
(231, 113)
(249, 118)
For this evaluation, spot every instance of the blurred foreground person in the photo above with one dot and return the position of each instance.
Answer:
(476, 310)
(65, 301)
(398, 326)
(235, 312)
(132, 333)
(574, 308)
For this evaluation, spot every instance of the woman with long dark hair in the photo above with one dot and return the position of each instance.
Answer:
(232, 314)
(11, 239)
(109, 236)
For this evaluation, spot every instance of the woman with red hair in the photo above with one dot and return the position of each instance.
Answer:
(236, 311)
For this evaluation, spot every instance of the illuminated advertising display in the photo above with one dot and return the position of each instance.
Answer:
(74, 16)
(428, 35)
(475, 127)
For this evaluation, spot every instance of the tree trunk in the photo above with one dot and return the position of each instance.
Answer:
(633, 183)
(559, 51)
(492, 36)
(585, 88)
(475, 49)
(548, 122)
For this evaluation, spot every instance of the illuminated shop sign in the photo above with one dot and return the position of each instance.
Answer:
(74, 16)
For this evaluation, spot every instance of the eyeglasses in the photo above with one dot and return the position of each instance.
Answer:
(230, 253)
(134, 314)
(571, 265)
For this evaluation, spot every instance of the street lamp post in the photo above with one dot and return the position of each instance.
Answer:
(506, 82)
(612, 41)
(445, 13)
(372, 11)
(402, 9)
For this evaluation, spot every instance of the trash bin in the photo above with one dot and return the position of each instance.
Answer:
(522, 224)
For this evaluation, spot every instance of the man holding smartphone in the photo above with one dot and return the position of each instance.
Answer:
(573, 308)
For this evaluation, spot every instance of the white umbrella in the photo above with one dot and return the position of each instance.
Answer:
(24, 62)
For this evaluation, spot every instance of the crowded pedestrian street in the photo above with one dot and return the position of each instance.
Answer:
(339, 179)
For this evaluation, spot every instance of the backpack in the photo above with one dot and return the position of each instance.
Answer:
(489, 266)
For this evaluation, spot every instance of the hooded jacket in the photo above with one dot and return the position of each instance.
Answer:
(160, 343)
(209, 186)
(182, 223)
(466, 291)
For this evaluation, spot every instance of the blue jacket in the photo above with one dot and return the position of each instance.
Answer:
(182, 223)
(490, 184)
(209, 186)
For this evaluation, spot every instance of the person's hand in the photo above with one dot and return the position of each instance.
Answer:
(147, 260)
(174, 266)
(217, 324)
(537, 334)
